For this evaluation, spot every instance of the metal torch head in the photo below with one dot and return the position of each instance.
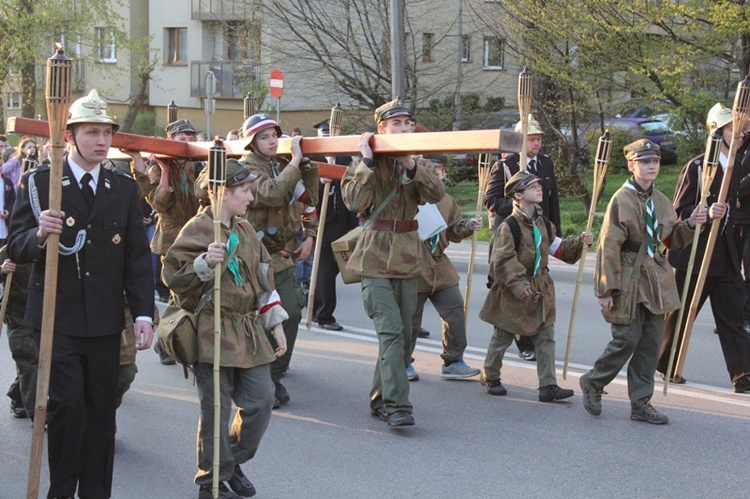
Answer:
(334, 123)
(217, 164)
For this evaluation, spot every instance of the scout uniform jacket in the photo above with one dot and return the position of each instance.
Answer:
(443, 275)
(174, 206)
(280, 202)
(512, 273)
(245, 308)
(381, 253)
(623, 231)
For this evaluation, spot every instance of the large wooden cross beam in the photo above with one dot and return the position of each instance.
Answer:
(469, 141)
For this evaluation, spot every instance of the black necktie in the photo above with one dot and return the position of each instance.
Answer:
(88, 192)
(532, 166)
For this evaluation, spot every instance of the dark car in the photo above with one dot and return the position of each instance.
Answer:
(652, 129)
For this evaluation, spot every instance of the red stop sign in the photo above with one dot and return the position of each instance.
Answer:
(276, 85)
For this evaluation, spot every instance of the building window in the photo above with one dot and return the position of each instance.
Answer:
(105, 38)
(242, 40)
(427, 40)
(13, 100)
(177, 46)
(494, 51)
(466, 48)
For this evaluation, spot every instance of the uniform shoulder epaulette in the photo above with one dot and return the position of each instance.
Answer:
(118, 173)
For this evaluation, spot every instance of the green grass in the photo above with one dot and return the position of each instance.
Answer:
(572, 211)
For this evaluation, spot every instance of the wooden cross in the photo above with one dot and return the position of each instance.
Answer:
(468, 141)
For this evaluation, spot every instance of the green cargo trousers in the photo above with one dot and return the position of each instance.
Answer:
(253, 394)
(292, 299)
(544, 343)
(391, 303)
(639, 341)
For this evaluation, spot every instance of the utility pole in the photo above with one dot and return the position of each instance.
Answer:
(397, 49)
(458, 117)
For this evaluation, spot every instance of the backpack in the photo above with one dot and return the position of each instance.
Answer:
(515, 229)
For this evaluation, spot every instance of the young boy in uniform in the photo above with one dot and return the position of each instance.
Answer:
(249, 302)
(389, 254)
(522, 298)
(637, 220)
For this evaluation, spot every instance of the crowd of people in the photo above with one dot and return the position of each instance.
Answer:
(129, 234)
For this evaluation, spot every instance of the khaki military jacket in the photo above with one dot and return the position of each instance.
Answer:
(389, 254)
(245, 308)
(443, 275)
(623, 231)
(512, 273)
(277, 205)
(174, 206)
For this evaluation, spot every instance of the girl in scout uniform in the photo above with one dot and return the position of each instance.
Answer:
(522, 298)
(249, 303)
(637, 220)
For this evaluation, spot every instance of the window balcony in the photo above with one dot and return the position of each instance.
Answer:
(233, 79)
(223, 10)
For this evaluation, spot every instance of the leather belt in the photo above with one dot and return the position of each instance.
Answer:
(394, 225)
(275, 248)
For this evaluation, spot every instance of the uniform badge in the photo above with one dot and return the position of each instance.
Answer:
(70, 221)
(65, 181)
(116, 239)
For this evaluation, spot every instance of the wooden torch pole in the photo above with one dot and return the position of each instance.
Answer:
(740, 113)
(525, 94)
(710, 163)
(484, 164)
(217, 167)
(334, 129)
(601, 163)
(58, 94)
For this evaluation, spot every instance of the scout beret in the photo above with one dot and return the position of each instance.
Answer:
(236, 174)
(179, 126)
(391, 110)
(519, 182)
(440, 158)
(642, 149)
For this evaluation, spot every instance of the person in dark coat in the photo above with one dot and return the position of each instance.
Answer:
(104, 255)
(724, 281)
(339, 220)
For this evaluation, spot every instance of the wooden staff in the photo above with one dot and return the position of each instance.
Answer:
(58, 94)
(740, 113)
(6, 297)
(525, 93)
(484, 165)
(334, 129)
(217, 168)
(601, 163)
(710, 164)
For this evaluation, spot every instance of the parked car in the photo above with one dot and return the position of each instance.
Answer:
(653, 129)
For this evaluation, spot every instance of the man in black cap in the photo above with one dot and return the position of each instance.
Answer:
(339, 220)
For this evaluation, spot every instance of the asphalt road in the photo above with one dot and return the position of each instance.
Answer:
(325, 444)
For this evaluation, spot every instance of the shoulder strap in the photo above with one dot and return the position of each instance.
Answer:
(638, 261)
(515, 229)
(380, 208)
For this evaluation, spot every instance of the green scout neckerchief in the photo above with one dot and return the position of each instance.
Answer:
(233, 266)
(538, 250)
(434, 242)
(184, 182)
(652, 224)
